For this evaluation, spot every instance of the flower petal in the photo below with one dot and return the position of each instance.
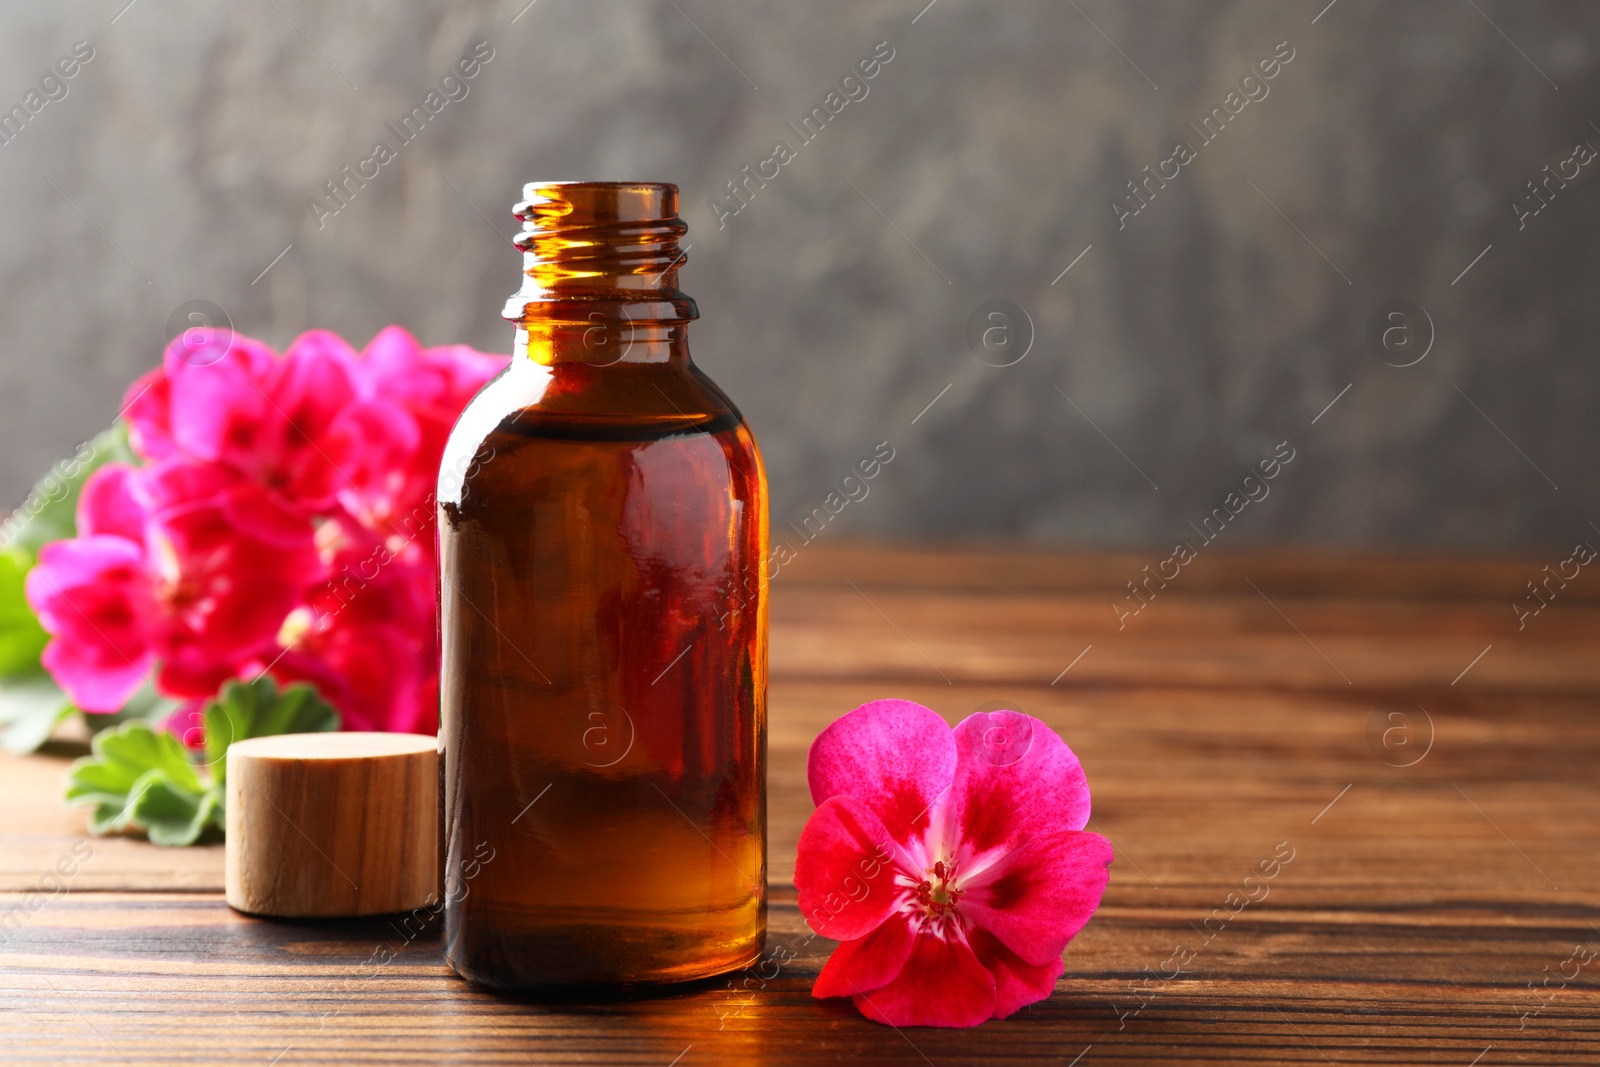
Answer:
(308, 388)
(381, 671)
(95, 681)
(845, 870)
(862, 965)
(204, 346)
(1016, 806)
(93, 596)
(189, 671)
(942, 984)
(1017, 982)
(266, 516)
(1038, 897)
(1015, 778)
(110, 505)
(376, 446)
(319, 348)
(146, 408)
(216, 409)
(391, 355)
(894, 756)
(181, 483)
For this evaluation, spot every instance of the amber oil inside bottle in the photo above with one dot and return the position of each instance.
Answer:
(603, 625)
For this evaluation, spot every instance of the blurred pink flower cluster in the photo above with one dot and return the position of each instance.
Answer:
(283, 521)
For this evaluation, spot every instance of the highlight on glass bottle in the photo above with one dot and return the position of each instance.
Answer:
(603, 625)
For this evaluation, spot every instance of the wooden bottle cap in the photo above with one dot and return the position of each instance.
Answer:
(332, 824)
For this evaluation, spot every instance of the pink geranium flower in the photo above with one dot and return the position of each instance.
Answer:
(396, 437)
(367, 637)
(284, 524)
(225, 399)
(162, 578)
(952, 864)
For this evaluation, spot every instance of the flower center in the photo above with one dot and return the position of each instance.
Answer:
(937, 894)
(296, 625)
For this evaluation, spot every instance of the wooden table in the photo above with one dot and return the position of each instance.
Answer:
(1440, 873)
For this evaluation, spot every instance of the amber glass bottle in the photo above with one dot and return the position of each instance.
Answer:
(603, 625)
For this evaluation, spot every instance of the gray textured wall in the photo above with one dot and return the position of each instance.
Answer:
(1176, 352)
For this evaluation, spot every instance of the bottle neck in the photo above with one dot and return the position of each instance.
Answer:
(600, 275)
(601, 341)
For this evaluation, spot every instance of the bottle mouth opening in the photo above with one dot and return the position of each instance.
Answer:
(603, 243)
(598, 201)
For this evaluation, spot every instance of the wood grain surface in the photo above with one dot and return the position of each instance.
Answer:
(1434, 769)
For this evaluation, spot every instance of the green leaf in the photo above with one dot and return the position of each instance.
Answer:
(22, 639)
(50, 512)
(97, 781)
(129, 762)
(107, 818)
(145, 779)
(121, 757)
(259, 709)
(171, 814)
(30, 710)
(137, 748)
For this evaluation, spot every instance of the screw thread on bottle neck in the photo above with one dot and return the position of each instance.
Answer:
(600, 252)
